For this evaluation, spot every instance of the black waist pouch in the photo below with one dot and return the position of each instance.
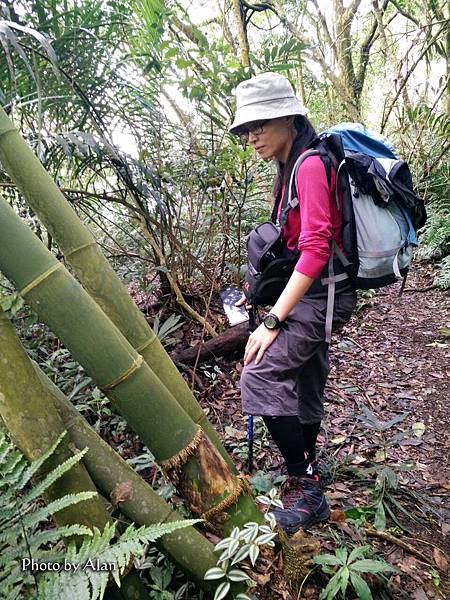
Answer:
(271, 264)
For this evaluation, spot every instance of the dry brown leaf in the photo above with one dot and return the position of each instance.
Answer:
(338, 516)
(440, 559)
(123, 491)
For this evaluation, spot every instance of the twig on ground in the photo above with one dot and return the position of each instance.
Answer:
(425, 289)
(383, 535)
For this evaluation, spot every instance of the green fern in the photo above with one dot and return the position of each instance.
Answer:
(83, 581)
(442, 279)
(21, 518)
(22, 535)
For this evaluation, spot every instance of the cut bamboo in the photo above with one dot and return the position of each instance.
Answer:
(92, 268)
(188, 457)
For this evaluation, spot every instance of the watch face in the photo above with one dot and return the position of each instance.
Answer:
(270, 322)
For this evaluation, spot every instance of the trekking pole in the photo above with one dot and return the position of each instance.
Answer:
(250, 443)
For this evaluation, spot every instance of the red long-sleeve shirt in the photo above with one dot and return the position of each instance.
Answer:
(316, 220)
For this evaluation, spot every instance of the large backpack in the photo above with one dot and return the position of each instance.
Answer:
(380, 214)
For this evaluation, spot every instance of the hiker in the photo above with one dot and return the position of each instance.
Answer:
(286, 357)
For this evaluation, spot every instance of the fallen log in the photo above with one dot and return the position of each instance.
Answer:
(230, 341)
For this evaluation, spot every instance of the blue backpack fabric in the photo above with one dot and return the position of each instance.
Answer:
(381, 211)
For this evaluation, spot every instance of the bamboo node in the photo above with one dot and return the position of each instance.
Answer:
(147, 343)
(239, 485)
(178, 459)
(78, 248)
(40, 278)
(6, 127)
(134, 367)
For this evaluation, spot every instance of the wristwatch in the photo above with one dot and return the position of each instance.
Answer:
(271, 321)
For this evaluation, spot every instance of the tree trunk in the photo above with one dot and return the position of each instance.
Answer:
(27, 410)
(242, 34)
(232, 340)
(92, 268)
(178, 444)
(187, 548)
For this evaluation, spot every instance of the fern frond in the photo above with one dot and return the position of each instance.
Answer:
(99, 548)
(35, 541)
(55, 506)
(41, 487)
(37, 464)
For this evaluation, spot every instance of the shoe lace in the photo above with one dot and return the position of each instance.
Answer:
(292, 491)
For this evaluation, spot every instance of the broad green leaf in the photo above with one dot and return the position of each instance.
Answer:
(327, 559)
(254, 553)
(368, 565)
(223, 544)
(214, 573)
(241, 554)
(344, 580)
(266, 537)
(222, 590)
(357, 552)
(361, 587)
(237, 575)
(342, 554)
(380, 517)
(332, 587)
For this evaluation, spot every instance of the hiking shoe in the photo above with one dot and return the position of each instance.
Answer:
(304, 504)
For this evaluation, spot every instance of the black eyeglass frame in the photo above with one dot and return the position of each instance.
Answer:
(257, 127)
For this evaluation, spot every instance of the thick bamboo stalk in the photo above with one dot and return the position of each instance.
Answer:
(187, 548)
(188, 457)
(92, 268)
(34, 425)
(27, 410)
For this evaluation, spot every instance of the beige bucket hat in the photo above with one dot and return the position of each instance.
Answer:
(265, 96)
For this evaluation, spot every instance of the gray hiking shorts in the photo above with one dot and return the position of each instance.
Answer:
(290, 378)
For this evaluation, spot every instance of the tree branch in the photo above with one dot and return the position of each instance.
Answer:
(404, 13)
(408, 75)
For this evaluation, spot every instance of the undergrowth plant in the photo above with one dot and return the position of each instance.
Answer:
(385, 469)
(24, 534)
(347, 569)
(242, 544)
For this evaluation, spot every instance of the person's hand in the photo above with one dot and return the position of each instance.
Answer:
(243, 300)
(258, 342)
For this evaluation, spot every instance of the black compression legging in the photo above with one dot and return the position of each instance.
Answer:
(296, 441)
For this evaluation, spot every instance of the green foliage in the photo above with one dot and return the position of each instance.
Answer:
(435, 236)
(165, 329)
(442, 279)
(347, 569)
(85, 581)
(21, 516)
(243, 543)
(22, 535)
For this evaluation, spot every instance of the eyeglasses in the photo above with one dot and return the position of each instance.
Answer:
(256, 127)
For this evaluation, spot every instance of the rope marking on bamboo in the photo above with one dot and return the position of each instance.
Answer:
(40, 279)
(178, 459)
(134, 367)
(82, 247)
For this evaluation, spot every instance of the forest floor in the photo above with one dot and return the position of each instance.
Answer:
(385, 442)
(384, 447)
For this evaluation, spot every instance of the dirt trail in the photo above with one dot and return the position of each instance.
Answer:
(392, 360)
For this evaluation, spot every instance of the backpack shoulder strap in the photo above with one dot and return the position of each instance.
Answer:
(290, 199)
